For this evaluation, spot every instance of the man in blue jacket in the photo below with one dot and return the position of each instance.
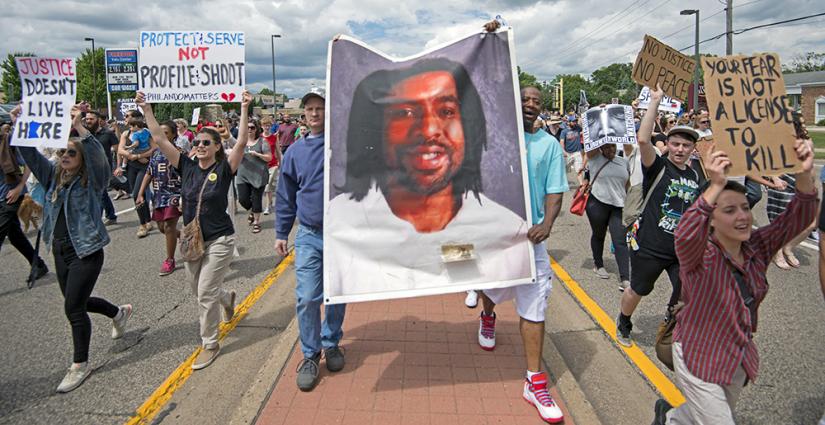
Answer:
(301, 193)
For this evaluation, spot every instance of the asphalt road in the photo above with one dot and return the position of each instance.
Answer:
(163, 332)
(790, 387)
(36, 339)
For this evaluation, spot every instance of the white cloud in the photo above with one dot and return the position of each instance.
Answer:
(550, 35)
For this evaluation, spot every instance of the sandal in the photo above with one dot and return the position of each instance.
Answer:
(780, 262)
(256, 228)
(792, 260)
(250, 219)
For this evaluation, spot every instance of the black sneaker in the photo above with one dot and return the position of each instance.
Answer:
(37, 271)
(308, 373)
(660, 410)
(623, 331)
(335, 359)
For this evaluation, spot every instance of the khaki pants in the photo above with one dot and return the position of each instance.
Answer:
(706, 403)
(206, 279)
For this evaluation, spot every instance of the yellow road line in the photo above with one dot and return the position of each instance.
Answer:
(152, 406)
(664, 385)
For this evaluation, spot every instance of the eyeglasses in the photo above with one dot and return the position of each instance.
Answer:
(72, 152)
(198, 142)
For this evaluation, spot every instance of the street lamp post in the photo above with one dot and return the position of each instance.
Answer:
(688, 12)
(94, 72)
(274, 93)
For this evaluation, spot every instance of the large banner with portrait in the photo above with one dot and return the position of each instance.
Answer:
(426, 177)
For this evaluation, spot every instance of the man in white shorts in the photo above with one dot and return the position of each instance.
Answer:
(548, 182)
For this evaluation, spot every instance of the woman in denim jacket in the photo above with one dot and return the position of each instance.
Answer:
(73, 227)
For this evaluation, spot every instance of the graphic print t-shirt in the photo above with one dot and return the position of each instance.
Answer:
(673, 195)
(215, 222)
(165, 181)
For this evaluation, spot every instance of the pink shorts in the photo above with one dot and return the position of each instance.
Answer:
(166, 213)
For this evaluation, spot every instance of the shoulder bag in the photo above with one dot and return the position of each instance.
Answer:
(191, 244)
(583, 194)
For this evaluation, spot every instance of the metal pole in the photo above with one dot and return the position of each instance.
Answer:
(696, 68)
(94, 76)
(729, 27)
(274, 93)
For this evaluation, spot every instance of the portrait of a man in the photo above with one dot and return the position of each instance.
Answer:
(414, 188)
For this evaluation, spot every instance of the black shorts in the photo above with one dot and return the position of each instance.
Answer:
(645, 269)
(821, 224)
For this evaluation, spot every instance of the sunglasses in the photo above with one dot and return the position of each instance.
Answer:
(704, 122)
(251, 127)
(218, 125)
(198, 142)
(72, 152)
(671, 122)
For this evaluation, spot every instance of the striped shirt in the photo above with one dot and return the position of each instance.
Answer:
(714, 327)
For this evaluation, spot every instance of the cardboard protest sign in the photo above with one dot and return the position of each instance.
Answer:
(750, 113)
(384, 235)
(668, 104)
(609, 124)
(49, 89)
(658, 63)
(192, 66)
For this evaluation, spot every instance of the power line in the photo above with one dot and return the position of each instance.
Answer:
(601, 26)
(742, 31)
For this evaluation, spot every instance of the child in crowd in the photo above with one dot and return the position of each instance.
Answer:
(139, 137)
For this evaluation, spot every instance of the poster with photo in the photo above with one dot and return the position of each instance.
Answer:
(426, 179)
(608, 124)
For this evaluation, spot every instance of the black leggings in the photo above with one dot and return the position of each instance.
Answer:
(134, 174)
(251, 197)
(77, 278)
(603, 216)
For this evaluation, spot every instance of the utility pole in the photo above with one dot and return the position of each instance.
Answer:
(729, 27)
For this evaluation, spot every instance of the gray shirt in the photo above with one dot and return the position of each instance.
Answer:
(254, 170)
(609, 187)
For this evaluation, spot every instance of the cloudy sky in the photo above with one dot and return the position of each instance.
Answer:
(552, 37)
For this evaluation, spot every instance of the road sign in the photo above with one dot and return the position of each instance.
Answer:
(121, 70)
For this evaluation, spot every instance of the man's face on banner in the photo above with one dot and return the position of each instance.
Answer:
(616, 120)
(423, 134)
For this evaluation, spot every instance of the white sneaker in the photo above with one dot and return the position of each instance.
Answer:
(228, 311)
(535, 393)
(119, 325)
(266, 211)
(76, 375)
(472, 299)
(601, 273)
(487, 332)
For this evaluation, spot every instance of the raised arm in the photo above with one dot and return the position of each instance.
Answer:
(166, 146)
(645, 134)
(236, 154)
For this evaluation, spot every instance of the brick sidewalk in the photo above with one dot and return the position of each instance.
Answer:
(414, 361)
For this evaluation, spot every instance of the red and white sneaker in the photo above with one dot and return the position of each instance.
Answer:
(487, 332)
(535, 393)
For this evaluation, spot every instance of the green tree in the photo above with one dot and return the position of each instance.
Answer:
(573, 83)
(10, 81)
(91, 81)
(806, 62)
(526, 79)
(612, 81)
(266, 91)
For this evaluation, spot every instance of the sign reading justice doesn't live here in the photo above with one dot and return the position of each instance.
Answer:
(49, 90)
(752, 119)
(192, 66)
(658, 63)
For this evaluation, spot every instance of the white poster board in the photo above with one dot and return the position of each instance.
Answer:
(668, 104)
(49, 90)
(191, 66)
(196, 113)
(608, 124)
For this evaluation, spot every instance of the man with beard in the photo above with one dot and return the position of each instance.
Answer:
(414, 190)
(108, 139)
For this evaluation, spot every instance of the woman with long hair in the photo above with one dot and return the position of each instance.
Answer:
(723, 266)
(73, 226)
(253, 174)
(205, 180)
(166, 190)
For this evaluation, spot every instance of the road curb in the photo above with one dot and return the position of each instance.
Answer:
(571, 393)
(256, 396)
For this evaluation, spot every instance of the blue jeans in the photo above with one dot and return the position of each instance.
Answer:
(108, 206)
(309, 295)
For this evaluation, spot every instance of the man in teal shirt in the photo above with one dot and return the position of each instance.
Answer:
(548, 182)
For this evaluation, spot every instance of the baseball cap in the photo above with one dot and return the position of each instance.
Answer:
(683, 129)
(554, 119)
(313, 92)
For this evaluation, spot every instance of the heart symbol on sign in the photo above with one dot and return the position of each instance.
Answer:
(227, 97)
